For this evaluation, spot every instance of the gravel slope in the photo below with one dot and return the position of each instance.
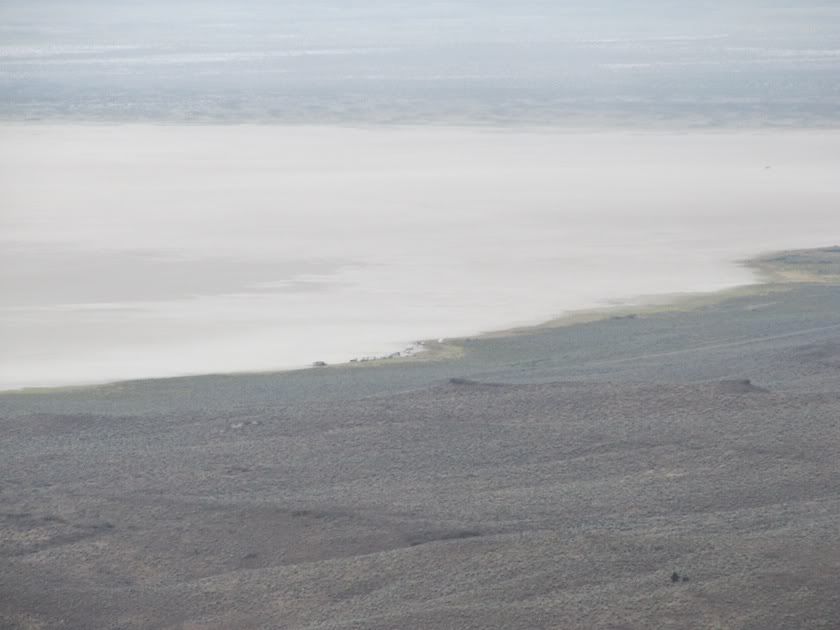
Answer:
(551, 479)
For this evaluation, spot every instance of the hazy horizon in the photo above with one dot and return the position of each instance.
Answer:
(612, 62)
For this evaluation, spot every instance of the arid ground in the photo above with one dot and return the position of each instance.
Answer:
(660, 468)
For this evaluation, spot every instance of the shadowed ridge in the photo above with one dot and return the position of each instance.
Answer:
(739, 386)
(466, 382)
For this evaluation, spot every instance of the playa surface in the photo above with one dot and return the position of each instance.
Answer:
(162, 250)
(554, 477)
